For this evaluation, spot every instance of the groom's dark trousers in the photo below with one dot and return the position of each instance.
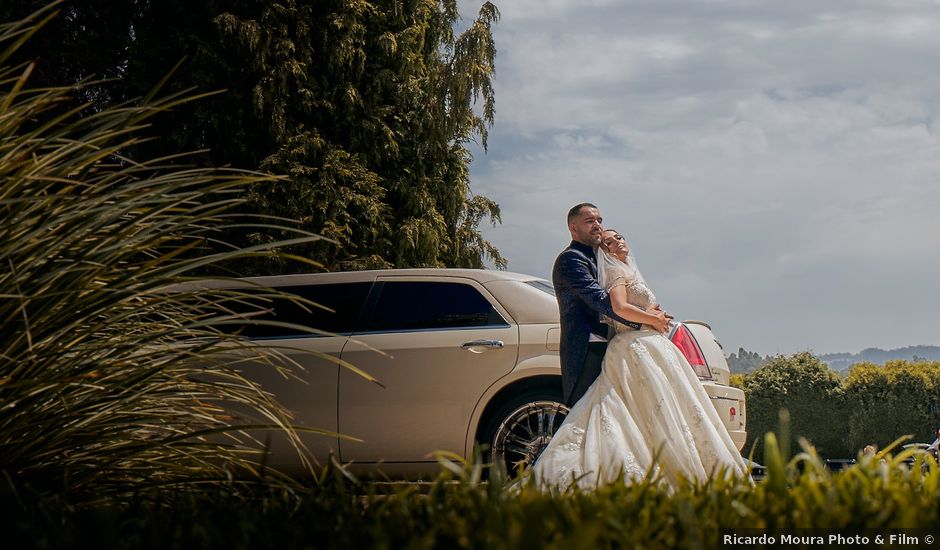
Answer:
(581, 302)
(590, 370)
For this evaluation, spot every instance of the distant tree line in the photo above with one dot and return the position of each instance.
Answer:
(745, 361)
(839, 415)
(878, 356)
(367, 108)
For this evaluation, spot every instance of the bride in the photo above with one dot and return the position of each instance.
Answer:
(647, 404)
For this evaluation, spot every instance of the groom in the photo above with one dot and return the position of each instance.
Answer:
(581, 301)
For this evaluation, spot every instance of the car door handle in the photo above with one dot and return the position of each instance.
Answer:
(479, 346)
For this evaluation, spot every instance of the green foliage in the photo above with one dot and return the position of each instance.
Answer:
(366, 106)
(745, 361)
(871, 405)
(371, 105)
(901, 398)
(108, 382)
(813, 395)
(456, 510)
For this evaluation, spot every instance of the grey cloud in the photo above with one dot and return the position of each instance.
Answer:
(774, 165)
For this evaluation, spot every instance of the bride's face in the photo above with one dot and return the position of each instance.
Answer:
(615, 244)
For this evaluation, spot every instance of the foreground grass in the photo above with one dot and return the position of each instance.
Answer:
(109, 381)
(457, 511)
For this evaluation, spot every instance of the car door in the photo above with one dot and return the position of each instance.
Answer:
(444, 341)
(310, 393)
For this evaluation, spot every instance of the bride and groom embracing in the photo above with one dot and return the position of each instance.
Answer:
(636, 404)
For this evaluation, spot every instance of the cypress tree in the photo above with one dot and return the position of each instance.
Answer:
(367, 109)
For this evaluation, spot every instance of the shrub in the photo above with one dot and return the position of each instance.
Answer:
(456, 511)
(812, 394)
(901, 398)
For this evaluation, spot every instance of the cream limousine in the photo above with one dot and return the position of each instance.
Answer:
(469, 357)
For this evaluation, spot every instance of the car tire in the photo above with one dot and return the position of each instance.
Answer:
(521, 428)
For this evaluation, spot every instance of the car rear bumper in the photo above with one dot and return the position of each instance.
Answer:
(729, 402)
(739, 437)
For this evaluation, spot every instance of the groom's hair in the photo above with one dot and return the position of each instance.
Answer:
(576, 209)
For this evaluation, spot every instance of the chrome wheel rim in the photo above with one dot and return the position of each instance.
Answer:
(525, 433)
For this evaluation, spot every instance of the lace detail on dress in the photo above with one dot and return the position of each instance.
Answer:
(638, 294)
(639, 351)
(567, 474)
(687, 434)
(709, 455)
(631, 467)
(606, 425)
(578, 439)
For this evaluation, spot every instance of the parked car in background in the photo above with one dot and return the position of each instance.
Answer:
(466, 358)
(934, 448)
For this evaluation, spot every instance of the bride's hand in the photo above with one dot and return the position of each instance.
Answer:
(660, 308)
(669, 318)
(660, 323)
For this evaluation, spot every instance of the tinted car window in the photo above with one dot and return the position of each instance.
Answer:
(345, 300)
(429, 305)
(544, 286)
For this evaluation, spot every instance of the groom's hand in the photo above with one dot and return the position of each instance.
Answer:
(661, 321)
(659, 308)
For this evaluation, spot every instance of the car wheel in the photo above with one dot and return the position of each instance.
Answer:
(522, 428)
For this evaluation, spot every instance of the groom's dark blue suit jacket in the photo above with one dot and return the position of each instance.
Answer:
(581, 301)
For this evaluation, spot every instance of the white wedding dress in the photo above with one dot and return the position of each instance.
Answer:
(647, 405)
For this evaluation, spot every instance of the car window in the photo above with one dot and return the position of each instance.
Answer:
(346, 301)
(413, 305)
(542, 285)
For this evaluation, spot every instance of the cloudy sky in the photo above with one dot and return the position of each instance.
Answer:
(775, 166)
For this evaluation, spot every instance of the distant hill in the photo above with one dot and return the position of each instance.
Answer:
(842, 361)
(745, 361)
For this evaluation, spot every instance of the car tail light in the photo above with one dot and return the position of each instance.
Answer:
(686, 343)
